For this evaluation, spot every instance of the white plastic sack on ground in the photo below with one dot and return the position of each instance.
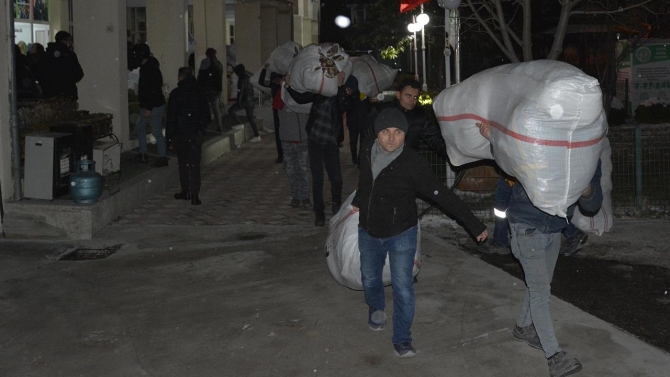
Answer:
(279, 61)
(547, 127)
(602, 221)
(373, 78)
(342, 254)
(315, 68)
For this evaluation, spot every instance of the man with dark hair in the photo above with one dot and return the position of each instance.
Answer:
(187, 117)
(390, 177)
(422, 126)
(245, 101)
(60, 70)
(210, 79)
(152, 104)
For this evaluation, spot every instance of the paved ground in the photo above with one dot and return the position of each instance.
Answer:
(239, 287)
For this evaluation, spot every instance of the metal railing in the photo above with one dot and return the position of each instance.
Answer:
(640, 175)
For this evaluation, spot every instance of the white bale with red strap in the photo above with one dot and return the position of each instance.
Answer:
(547, 127)
(373, 77)
(342, 254)
(316, 67)
(602, 221)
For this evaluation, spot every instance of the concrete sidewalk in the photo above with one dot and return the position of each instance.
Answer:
(201, 291)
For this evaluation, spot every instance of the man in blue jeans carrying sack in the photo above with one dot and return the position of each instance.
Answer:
(390, 177)
(536, 242)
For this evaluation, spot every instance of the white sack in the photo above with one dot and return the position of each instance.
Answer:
(373, 78)
(279, 61)
(547, 127)
(602, 221)
(315, 68)
(342, 254)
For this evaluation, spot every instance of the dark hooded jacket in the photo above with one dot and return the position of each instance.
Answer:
(187, 110)
(274, 88)
(60, 71)
(210, 75)
(245, 91)
(151, 85)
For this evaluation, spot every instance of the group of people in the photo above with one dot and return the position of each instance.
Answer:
(48, 73)
(392, 174)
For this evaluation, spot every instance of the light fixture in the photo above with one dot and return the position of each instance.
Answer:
(413, 28)
(422, 19)
(342, 21)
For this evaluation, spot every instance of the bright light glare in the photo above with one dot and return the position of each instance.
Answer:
(413, 28)
(342, 21)
(422, 19)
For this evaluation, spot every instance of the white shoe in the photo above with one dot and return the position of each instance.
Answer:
(238, 127)
(256, 139)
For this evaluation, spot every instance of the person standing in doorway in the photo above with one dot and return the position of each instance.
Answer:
(210, 79)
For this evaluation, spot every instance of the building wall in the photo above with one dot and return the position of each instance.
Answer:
(100, 44)
(5, 124)
(167, 36)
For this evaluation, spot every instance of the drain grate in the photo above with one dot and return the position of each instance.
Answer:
(89, 254)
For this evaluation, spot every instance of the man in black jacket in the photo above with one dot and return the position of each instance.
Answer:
(59, 71)
(390, 177)
(152, 104)
(187, 117)
(210, 79)
(422, 125)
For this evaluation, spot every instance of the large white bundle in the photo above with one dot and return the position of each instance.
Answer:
(279, 61)
(342, 254)
(373, 78)
(315, 68)
(547, 124)
(602, 221)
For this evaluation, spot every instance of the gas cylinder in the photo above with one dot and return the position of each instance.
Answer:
(85, 183)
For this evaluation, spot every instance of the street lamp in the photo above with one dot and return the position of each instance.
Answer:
(451, 24)
(413, 28)
(423, 19)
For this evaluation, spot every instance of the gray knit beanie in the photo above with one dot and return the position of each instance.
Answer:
(391, 118)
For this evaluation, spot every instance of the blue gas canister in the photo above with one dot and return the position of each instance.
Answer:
(85, 183)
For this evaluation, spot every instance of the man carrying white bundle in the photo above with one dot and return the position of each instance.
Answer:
(536, 242)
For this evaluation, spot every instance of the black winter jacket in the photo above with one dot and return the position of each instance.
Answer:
(210, 75)
(151, 85)
(422, 126)
(60, 71)
(187, 110)
(388, 203)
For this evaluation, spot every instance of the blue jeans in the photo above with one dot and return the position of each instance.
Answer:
(401, 250)
(537, 253)
(502, 195)
(156, 120)
(571, 230)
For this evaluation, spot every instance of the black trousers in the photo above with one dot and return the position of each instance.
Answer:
(189, 153)
(353, 140)
(275, 117)
(327, 156)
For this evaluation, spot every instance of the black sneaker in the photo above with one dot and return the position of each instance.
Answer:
(404, 350)
(295, 203)
(161, 162)
(574, 244)
(560, 365)
(377, 320)
(494, 247)
(320, 220)
(195, 200)
(142, 158)
(528, 335)
(336, 207)
(184, 195)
